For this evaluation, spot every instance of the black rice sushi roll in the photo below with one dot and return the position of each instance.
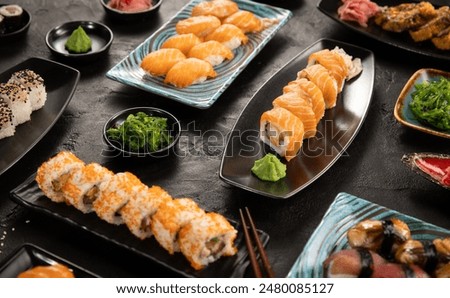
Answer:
(12, 17)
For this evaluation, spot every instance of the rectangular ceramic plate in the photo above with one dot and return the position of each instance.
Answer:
(345, 212)
(335, 131)
(202, 95)
(29, 195)
(29, 256)
(403, 113)
(60, 83)
(399, 40)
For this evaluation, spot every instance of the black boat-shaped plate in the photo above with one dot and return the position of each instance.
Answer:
(335, 131)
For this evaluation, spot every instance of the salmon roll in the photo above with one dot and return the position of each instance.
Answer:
(229, 35)
(34, 83)
(114, 195)
(188, 72)
(282, 131)
(198, 25)
(170, 218)
(207, 238)
(332, 61)
(217, 8)
(320, 76)
(159, 62)
(182, 42)
(354, 65)
(300, 107)
(83, 186)
(211, 51)
(16, 96)
(52, 175)
(137, 213)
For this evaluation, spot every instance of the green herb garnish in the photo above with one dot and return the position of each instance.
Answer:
(142, 132)
(431, 103)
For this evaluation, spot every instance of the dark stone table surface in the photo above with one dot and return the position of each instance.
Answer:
(371, 168)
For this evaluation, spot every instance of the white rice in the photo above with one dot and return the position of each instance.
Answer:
(233, 43)
(214, 59)
(34, 85)
(16, 97)
(7, 127)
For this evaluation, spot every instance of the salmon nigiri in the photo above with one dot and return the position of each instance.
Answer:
(211, 51)
(332, 61)
(183, 42)
(248, 21)
(320, 76)
(229, 35)
(217, 8)
(159, 62)
(189, 71)
(199, 25)
(282, 131)
(300, 107)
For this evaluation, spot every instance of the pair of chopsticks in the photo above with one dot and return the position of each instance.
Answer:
(250, 247)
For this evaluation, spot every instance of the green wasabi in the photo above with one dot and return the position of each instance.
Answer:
(269, 168)
(78, 42)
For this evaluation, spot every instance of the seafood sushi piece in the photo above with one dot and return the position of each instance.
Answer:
(198, 25)
(170, 218)
(320, 76)
(248, 22)
(159, 62)
(34, 83)
(217, 8)
(7, 128)
(442, 40)
(183, 42)
(12, 16)
(16, 97)
(229, 35)
(332, 61)
(137, 213)
(55, 270)
(83, 186)
(433, 27)
(211, 51)
(354, 65)
(394, 270)
(282, 131)
(114, 194)
(300, 107)
(54, 173)
(188, 72)
(432, 166)
(205, 239)
(352, 263)
(443, 271)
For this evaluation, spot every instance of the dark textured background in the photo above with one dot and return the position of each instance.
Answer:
(371, 168)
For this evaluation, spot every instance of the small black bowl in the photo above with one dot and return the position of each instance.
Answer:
(115, 121)
(17, 31)
(100, 35)
(131, 16)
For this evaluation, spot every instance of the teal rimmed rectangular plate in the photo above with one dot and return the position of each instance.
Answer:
(205, 94)
(403, 113)
(330, 236)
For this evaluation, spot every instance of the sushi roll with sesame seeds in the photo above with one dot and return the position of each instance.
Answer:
(34, 84)
(207, 238)
(53, 174)
(16, 97)
(7, 128)
(114, 194)
(83, 186)
(170, 218)
(137, 213)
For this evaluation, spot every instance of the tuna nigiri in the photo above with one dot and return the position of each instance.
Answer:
(189, 71)
(199, 25)
(217, 8)
(182, 42)
(229, 35)
(211, 51)
(320, 76)
(159, 62)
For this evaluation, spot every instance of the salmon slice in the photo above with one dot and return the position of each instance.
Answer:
(189, 71)
(320, 76)
(183, 42)
(246, 21)
(300, 107)
(217, 8)
(159, 62)
(332, 61)
(198, 25)
(282, 131)
(211, 51)
(229, 35)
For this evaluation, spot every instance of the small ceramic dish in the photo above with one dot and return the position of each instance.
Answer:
(173, 125)
(100, 35)
(18, 31)
(403, 113)
(131, 16)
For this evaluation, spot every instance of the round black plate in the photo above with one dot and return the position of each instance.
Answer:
(20, 30)
(130, 16)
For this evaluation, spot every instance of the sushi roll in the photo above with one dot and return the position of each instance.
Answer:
(354, 65)
(114, 194)
(198, 25)
(83, 185)
(34, 83)
(207, 238)
(12, 16)
(352, 263)
(188, 72)
(16, 97)
(53, 174)
(211, 51)
(170, 218)
(332, 61)
(159, 62)
(282, 131)
(7, 128)
(217, 8)
(182, 42)
(229, 35)
(137, 213)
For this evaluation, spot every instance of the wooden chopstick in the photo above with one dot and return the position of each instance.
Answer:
(249, 243)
